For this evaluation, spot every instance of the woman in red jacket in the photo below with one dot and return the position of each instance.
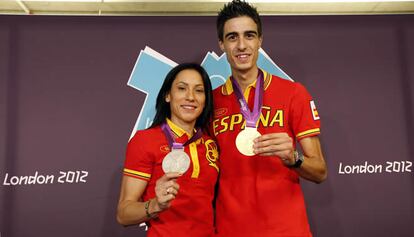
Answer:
(171, 168)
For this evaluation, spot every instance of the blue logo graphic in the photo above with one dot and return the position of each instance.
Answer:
(151, 68)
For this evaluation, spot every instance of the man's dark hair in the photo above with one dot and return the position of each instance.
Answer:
(237, 8)
(162, 107)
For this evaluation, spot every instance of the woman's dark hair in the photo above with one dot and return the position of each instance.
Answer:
(233, 9)
(162, 107)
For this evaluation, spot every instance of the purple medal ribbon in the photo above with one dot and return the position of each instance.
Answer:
(170, 137)
(250, 116)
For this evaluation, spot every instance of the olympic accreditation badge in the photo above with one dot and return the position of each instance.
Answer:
(244, 140)
(176, 161)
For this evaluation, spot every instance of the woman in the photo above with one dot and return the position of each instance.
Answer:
(173, 203)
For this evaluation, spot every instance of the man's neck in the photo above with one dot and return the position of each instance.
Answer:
(244, 79)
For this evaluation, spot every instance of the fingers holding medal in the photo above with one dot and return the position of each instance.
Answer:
(166, 189)
(172, 189)
(275, 144)
(174, 164)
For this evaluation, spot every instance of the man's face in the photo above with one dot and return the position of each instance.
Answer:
(241, 43)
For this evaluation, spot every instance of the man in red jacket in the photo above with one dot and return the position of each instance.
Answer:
(258, 119)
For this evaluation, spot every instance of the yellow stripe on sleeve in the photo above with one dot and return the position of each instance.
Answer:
(307, 132)
(137, 173)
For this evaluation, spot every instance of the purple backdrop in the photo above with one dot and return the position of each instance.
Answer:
(65, 110)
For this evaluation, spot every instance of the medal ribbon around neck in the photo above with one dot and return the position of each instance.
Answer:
(250, 116)
(177, 160)
(170, 137)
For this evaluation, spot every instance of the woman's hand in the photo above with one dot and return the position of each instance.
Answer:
(166, 188)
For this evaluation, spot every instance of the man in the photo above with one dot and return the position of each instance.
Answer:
(258, 119)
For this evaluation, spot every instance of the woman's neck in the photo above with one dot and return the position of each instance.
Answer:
(187, 127)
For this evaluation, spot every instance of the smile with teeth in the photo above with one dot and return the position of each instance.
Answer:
(189, 107)
(242, 57)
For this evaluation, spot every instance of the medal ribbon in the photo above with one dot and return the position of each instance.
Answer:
(250, 116)
(170, 137)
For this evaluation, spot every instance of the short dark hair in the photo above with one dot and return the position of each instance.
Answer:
(162, 107)
(237, 8)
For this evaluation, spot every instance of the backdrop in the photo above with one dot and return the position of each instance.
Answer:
(66, 114)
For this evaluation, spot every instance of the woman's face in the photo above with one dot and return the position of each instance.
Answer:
(186, 97)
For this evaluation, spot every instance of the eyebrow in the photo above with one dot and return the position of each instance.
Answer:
(181, 82)
(230, 33)
(251, 32)
(246, 32)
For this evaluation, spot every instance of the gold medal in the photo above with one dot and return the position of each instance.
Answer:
(244, 140)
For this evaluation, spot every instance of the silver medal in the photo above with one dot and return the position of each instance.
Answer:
(244, 140)
(176, 161)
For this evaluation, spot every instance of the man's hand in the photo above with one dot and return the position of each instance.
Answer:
(275, 144)
(280, 144)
